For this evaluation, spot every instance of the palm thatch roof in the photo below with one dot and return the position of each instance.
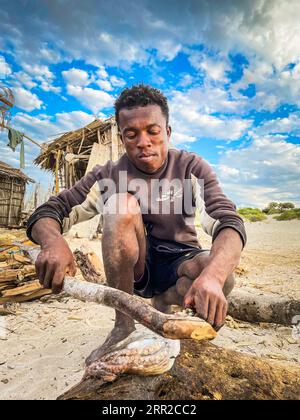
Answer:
(68, 155)
(78, 142)
(10, 172)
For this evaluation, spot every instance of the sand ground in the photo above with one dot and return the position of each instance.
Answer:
(43, 349)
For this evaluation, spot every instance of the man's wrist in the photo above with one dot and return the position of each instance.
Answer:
(212, 275)
(45, 231)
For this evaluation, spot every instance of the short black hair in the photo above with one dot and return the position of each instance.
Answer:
(141, 95)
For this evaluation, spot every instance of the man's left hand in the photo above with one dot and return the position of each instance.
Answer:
(207, 298)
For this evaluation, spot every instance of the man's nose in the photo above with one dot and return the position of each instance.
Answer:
(143, 140)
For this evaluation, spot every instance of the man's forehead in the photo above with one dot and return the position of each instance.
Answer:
(141, 116)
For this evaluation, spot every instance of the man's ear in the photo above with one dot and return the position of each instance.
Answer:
(169, 131)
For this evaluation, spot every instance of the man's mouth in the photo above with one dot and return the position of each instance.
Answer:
(146, 157)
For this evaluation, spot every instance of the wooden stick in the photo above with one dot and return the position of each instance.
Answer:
(169, 326)
(6, 102)
(82, 140)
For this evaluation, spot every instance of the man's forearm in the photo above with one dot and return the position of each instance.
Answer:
(45, 230)
(225, 255)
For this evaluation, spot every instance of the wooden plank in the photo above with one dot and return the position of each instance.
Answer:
(27, 297)
(27, 288)
(114, 142)
(5, 265)
(10, 202)
(100, 154)
(20, 258)
(19, 274)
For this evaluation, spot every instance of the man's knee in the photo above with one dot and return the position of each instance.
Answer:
(123, 206)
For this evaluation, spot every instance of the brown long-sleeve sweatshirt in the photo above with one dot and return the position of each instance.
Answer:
(168, 198)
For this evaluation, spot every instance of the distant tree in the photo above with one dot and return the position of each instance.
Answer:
(286, 206)
(275, 207)
(271, 208)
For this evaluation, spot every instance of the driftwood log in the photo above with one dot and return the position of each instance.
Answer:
(252, 305)
(202, 371)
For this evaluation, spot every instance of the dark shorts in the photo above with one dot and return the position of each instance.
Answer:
(162, 261)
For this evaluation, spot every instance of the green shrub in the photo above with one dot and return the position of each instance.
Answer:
(289, 215)
(252, 214)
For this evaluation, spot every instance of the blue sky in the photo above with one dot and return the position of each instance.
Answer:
(230, 70)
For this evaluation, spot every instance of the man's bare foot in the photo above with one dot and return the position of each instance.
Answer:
(118, 334)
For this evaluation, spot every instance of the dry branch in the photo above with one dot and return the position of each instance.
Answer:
(170, 326)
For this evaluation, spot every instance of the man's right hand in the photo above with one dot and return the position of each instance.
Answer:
(55, 259)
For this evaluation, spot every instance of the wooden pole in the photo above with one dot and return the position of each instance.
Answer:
(58, 154)
(6, 102)
(82, 140)
(24, 135)
(10, 201)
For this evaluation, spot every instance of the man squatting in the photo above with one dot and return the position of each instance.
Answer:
(151, 254)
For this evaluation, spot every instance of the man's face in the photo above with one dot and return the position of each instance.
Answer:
(145, 136)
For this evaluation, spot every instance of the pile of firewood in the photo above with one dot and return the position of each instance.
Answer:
(18, 279)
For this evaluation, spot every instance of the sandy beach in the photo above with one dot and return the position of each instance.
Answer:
(45, 344)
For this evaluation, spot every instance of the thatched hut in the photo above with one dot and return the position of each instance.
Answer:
(12, 190)
(70, 155)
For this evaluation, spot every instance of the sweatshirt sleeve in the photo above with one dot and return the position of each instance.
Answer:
(217, 212)
(77, 204)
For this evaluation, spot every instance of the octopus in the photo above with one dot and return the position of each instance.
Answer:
(143, 352)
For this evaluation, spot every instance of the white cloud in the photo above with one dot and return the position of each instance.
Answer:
(50, 55)
(102, 73)
(26, 100)
(5, 69)
(67, 121)
(168, 49)
(191, 114)
(288, 125)
(39, 72)
(23, 79)
(117, 82)
(179, 138)
(49, 88)
(43, 127)
(35, 73)
(273, 87)
(214, 68)
(104, 84)
(261, 28)
(92, 99)
(186, 80)
(76, 77)
(266, 170)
